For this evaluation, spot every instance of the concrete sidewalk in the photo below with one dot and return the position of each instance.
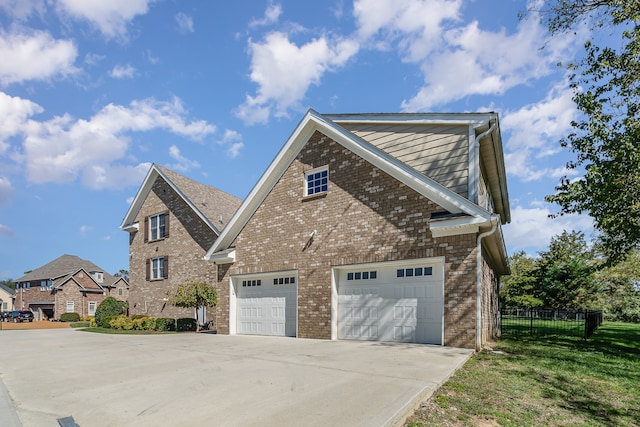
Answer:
(175, 379)
(8, 416)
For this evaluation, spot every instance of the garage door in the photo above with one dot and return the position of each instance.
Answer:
(267, 304)
(392, 302)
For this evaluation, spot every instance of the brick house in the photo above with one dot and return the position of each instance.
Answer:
(68, 284)
(172, 222)
(371, 227)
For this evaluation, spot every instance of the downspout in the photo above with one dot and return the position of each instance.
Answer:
(495, 220)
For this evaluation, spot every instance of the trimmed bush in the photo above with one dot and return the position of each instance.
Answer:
(186, 324)
(139, 316)
(69, 317)
(92, 323)
(121, 322)
(109, 307)
(106, 321)
(165, 324)
(144, 323)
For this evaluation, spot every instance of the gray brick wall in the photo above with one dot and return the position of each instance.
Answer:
(366, 216)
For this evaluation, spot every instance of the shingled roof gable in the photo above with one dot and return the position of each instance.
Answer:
(313, 122)
(63, 266)
(214, 206)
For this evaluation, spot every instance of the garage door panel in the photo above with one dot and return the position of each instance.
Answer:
(402, 309)
(266, 308)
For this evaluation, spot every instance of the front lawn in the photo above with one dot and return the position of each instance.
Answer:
(550, 381)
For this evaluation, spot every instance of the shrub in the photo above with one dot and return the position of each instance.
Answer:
(109, 307)
(165, 324)
(92, 323)
(185, 324)
(144, 323)
(69, 317)
(88, 318)
(106, 321)
(138, 316)
(121, 322)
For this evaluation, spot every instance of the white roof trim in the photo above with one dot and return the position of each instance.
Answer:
(455, 226)
(223, 257)
(313, 121)
(128, 223)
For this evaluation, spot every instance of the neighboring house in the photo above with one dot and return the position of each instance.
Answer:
(371, 227)
(6, 298)
(68, 284)
(172, 222)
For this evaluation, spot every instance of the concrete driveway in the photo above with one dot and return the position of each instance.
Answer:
(216, 380)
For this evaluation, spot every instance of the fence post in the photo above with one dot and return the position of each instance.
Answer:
(586, 324)
(531, 323)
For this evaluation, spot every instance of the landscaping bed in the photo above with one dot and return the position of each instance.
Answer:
(36, 324)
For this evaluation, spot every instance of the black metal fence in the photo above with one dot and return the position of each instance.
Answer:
(543, 321)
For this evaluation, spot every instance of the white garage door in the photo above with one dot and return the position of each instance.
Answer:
(392, 302)
(267, 304)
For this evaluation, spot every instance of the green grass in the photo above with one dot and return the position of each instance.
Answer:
(124, 332)
(550, 381)
(79, 324)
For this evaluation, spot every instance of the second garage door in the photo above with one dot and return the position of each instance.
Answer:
(267, 304)
(401, 302)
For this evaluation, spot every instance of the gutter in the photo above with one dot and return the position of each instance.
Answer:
(494, 221)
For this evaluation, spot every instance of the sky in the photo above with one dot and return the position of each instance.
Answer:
(93, 92)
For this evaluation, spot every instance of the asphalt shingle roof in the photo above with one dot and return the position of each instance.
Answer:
(63, 266)
(215, 204)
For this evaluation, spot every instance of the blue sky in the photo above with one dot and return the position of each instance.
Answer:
(92, 92)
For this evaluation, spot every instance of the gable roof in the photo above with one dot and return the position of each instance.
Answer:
(60, 282)
(213, 206)
(7, 289)
(63, 266)
(312, 122)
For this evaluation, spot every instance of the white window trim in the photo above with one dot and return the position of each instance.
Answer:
(95, 306)
(157, 228)
(72, 305)
(313, 171)
(157, 274)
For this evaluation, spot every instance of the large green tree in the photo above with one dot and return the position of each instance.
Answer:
(620, 296)
(519, 289)
(606, 139)
(193, 294)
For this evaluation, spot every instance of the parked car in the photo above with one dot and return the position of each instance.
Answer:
(21, 316)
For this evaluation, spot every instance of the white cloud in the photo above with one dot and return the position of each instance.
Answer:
(34, 55)
(110, 17)
(84, 229)
(5, 230)
(6, 190)
(535, 131)
(235, 140)
(185, 23)
(63, 148)
(284, 71)
(183, 164)
(123, 72)
(271, 15)
(531, 229)
(22, 9)
(234, 150)
(14, 112)
(93, 58)
(488, 62)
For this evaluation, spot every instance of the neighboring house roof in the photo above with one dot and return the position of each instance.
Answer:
(64, 266)
(213, 206)
(93, 284)
(468, 215)
(8, 290)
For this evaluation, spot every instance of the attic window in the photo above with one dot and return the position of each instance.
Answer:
(316, 181)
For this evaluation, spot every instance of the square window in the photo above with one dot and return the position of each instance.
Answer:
(428, 271)
(373, 275)
(418, 271)
(281, 281)
(286, 280)
(275, 281)
(358, 276)
(293, 280)
(400, 272)
(317, 181)
(365, 275)
(349, 276)
(409, 272)
(259, 283)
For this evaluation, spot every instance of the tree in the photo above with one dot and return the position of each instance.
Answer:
(192, 294)
(606, 140)
(565, 272)
(620, 296)
(7, 282)
(520, 287)
(109, 307)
